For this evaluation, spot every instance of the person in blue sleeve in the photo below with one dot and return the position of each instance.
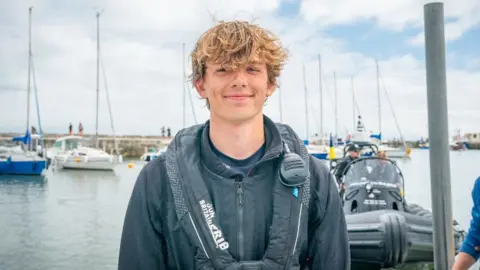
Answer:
(470, 250)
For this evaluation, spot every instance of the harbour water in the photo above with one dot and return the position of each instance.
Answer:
(73, 219)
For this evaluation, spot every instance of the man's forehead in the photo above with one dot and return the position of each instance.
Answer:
(233, 63)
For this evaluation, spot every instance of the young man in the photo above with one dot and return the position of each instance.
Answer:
(238, 192)
(470, 250)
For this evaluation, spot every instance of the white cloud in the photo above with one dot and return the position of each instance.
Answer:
(142, 53)
(393, 15)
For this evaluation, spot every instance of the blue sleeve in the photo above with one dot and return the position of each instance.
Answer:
(471, 245)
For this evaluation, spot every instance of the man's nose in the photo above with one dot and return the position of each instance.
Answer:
(239, 79)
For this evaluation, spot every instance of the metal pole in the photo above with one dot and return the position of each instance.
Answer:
(29, 64)
(353, 106)
(98, 77)
(438, 134)
(306, 103)
(379, 101)
(280, 102)
(321, 94)
(336, 103)
(183, 83)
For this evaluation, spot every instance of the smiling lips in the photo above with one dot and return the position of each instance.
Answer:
(238, 97)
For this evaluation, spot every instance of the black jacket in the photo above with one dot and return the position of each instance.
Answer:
(152, 237)
(341, 167)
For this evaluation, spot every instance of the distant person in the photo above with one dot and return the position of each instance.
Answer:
(353, 152)
(384, 170)
(70, 129)
(470, 250)
(169, 132)
(34, 130)
(80, 129)
(216, 199)
(163, 132)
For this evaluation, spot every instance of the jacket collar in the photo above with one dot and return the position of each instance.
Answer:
(273, 149)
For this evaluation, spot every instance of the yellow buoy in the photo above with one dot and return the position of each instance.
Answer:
(409, 150)
(130, 165)
(78, 159)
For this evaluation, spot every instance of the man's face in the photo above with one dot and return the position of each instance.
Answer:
(235, 95)
(354, 154)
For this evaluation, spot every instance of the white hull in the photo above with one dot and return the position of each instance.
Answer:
(82, 163)
(395, 153)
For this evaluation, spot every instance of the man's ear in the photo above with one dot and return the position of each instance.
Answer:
(199, 85)
(271, 89)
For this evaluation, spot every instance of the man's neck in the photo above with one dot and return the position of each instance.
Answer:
(238, 141)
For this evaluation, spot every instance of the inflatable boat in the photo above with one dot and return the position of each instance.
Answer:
(384, 231)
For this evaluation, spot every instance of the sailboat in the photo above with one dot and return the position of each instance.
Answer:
(77, 152)
(392, 152)
(316, 145)
(27, 157)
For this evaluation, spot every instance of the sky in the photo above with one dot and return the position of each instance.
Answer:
(142, 56)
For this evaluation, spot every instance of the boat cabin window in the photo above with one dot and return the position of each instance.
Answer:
(58, 144)
(71, 144)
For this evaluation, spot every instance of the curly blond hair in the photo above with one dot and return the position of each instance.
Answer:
(235, 44)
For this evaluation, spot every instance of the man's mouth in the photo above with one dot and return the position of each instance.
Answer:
(238, 97)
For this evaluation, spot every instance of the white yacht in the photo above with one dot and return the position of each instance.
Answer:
(75, 152)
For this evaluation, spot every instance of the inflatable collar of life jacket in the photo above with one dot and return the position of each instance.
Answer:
(202, 225)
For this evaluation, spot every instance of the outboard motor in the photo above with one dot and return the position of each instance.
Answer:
(372, 184)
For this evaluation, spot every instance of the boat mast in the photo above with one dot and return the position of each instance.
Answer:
(379, 102)
(29, 64)
(336, 104)
(353, 104)
(185, 89)
(98, 77)
(321, 95)
(306, 103)
(183, 83)
(280, 102)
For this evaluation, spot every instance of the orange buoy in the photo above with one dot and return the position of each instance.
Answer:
(130, 165)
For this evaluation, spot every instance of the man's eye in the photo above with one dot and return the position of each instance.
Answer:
(221, 70)
(252, 69)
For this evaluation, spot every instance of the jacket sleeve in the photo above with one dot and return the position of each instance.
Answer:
(340, 168)
(328, 248)
(142, 244)
(471, 245)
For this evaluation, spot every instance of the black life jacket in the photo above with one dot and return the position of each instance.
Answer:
(196, 213)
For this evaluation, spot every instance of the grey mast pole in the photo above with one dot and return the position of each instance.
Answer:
(183, 83)
(29, 64)
(353, 104)
(336, 103)
(98, 77)
(438, 134)
(280, 101)
(321, 95)
(306, 102)
(379, 101)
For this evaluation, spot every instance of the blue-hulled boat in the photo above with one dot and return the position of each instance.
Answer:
(23, 159)
(26, 157)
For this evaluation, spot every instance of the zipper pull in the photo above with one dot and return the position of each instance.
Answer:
(240, 193)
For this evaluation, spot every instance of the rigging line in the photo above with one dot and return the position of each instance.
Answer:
(392, 110)
(38, 106)
(108, 101)
(324, 79)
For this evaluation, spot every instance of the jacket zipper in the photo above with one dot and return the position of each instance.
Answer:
(240, 217)
(289, 260)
